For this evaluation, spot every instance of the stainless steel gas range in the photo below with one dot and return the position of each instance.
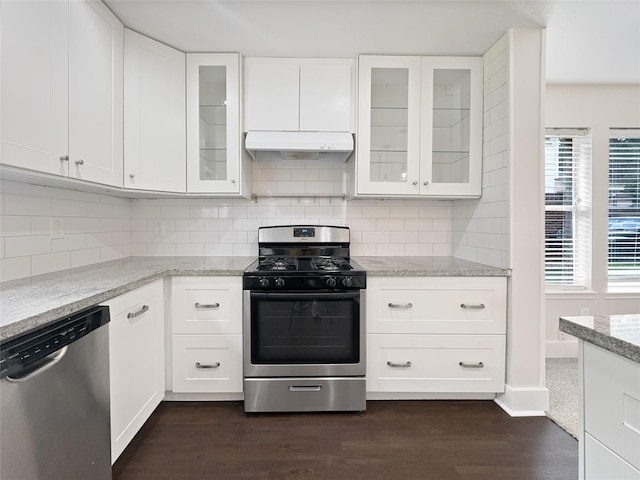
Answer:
(304, 325)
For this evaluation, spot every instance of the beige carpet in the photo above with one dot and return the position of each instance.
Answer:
(562, 382)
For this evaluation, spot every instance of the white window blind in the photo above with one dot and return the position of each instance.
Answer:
(567, 190)
(624, 205)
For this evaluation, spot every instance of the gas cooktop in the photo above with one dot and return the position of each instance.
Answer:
(304, 257)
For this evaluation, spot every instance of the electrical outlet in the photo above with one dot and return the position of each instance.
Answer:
(564, 337)
(158, 228)
(57, 227)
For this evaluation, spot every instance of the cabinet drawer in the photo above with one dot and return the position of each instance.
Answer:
(612, 402)
(206, 305)
(435, 363)
(602, 464)
(207, 363)
(468, 305)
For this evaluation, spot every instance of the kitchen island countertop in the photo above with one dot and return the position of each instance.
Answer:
(619, 334)
(29, 303)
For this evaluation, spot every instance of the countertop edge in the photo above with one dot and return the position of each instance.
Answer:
(378, 267)
(607, 342)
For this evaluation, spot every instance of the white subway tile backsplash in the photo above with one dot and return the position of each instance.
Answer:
(51, 262)
(78, 224)
(87, 256)
(479, 226)
(26, 245)
(69, 243)
(15, 225)
(218, 250)
(204, 211)
(190, 249)
(189, 225)
(100, 210)
(68, 208)
(390, 224)
(13, 268)
(418, 249)
(176, 212)
(26, 205)
(393, 250)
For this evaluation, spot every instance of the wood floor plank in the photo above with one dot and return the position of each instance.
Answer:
(399, 440)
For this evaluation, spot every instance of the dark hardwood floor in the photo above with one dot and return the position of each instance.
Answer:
(399, 440)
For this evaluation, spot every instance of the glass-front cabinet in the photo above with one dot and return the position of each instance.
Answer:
(214, 154)
(420, 126)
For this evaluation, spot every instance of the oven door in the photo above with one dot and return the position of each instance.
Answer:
(297, 334)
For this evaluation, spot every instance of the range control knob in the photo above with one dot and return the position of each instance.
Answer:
(279, 282)
(331, 282)
(264, 282)
(347, 282)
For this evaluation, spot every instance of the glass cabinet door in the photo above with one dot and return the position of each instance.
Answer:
(213, 123)
(451, 125)
(389, 118)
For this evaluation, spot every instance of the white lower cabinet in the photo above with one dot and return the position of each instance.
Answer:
(206, 341)
(611, 412)
(435, 336)
(136, 361)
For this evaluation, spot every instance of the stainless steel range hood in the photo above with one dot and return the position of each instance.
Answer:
(263, 145)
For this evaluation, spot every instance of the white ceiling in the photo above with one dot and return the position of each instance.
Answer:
(588, 41)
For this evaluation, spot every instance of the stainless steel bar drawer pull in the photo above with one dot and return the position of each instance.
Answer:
(207, 305)
(400, 305)
(399, 365)
(305, 388)
(144, 308)
(467, 306)
(471, 365)
(207, 365)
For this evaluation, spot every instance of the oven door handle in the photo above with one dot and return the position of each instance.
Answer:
(287, 296)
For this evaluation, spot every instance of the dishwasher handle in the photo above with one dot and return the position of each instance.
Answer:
(38, 367)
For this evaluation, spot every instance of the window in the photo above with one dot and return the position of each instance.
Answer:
(624, 205)
(567, 207)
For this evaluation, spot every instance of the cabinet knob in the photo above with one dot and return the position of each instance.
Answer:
(64, 158)
(79, 162)
(426, 183)
(132, 176)
(415, 184)
(233, 181)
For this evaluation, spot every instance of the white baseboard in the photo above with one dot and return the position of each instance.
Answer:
(524, 401)
(558, 349)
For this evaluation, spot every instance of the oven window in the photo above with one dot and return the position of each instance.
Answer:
(305, 328)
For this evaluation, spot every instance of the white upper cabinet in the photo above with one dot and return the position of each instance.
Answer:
(215, 163)
(95, 93)
(298, 94)
(154, 115)
(419, 126)
(34, 84)
(62, 89)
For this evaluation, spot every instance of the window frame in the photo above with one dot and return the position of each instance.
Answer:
(579, 246)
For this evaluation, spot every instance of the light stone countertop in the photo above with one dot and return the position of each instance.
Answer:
(427, 267)
(29, 303)
(32, 302)
(619, 334)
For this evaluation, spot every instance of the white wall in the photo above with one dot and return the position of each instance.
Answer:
(597, 107)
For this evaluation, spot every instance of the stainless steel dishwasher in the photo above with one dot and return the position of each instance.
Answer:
(54, 394)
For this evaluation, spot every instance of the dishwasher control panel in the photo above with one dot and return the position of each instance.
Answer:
(20, 353)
